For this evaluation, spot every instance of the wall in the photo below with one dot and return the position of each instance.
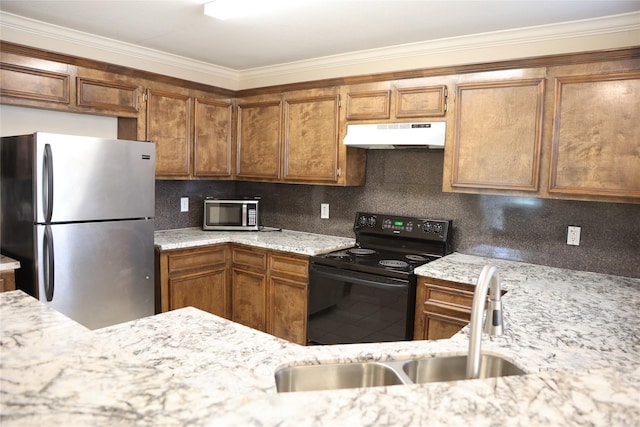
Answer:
(409, 182)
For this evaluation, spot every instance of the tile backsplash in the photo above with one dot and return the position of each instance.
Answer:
(409, 182)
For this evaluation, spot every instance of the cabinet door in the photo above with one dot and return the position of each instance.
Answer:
(250, 298)
(442, 308)
(212, 139)
(288, 309)
(421, 101)
(107, 96)
(311, 139)
(168, 126)
(498, 133)
(208, 291)
(596, 137)
(258, 140)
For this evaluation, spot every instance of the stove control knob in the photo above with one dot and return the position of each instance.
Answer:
(372, 221)
(426, 227)
(437, 228)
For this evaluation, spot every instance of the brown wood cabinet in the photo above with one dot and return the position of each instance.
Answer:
(258, 140)
(388, 101)
(442, 308)
(197, 277)
(595, 149)
(212, 139)
(497, 135)
(7, 281)
(270, 292)
(295, 137)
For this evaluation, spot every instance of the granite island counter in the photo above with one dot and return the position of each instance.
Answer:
(575, 333)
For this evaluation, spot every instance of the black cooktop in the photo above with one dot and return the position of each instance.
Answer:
(391, 244)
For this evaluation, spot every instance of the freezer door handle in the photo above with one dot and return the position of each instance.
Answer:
(47, 184)
(49, 264)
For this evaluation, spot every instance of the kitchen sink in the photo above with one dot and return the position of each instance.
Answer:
(454, 368)
(333, 376)
(336, 376)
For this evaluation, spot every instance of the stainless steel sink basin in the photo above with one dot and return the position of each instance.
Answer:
(335, 376)
(453, 368)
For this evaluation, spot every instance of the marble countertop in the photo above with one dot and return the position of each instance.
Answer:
(575, 333)
(285, 240)
(7, 263)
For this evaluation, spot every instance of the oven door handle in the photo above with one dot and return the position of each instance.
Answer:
(352, 277)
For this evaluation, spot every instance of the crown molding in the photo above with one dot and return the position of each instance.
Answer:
(612, 32)
(25, 31)
(609, 32)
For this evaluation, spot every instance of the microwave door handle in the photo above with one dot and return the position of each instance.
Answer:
(244, 215)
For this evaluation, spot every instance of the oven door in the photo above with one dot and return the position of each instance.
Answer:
(347, 307)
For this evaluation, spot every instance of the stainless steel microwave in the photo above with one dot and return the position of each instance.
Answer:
(231, 215)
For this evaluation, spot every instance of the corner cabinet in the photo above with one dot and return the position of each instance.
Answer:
(197, 277)
(442, 308)
(270, 292)
(295, 137)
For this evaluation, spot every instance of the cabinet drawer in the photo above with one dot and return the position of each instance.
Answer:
(444, 295)
(285, 265)
(196, 259)
(251, 258)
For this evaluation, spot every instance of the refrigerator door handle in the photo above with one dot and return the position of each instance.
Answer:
(47, 184)
(49, 264)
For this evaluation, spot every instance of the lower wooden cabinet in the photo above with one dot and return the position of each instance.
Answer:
(442, 308)
(7, 281)
(259, 288)
(270, 292)
(194, 277)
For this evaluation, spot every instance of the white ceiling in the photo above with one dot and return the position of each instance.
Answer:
(306, 30)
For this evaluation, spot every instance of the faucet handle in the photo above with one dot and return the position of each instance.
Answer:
(494, 322)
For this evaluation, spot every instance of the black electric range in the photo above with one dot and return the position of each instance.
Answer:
(367, 293)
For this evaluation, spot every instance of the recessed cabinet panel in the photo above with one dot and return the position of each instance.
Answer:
(109, 96)
(498, 133)
(168, 126)
(258, 140)
(421, 102)
(212, 139)
(34, 84)
(596, 139)
(368, 105)
(311, 139)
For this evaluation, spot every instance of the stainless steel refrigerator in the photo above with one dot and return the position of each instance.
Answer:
(77, 212)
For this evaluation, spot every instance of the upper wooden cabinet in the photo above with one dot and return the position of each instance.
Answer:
(595, 148)
(311, 142)
(564, 132)
(388, 101)
(192, 135)
(212, 139)
(258, 140)
(295, 137)
(497, 135)
(169, 127)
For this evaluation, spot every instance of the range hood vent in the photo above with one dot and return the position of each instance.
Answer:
(396, 135)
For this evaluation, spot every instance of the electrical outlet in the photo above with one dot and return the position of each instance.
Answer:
(573, 235)
(324, 210)
(184, 204)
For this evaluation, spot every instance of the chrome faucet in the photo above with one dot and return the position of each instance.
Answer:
(488, 280)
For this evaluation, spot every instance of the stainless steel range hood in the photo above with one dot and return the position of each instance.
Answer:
(396, 135)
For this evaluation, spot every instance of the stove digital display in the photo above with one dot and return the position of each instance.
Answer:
(398, 223)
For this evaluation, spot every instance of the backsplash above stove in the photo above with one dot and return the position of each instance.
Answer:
(409, 182)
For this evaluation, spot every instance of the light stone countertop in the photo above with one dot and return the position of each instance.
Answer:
(7, 264)
(576, 333)
(286, 240)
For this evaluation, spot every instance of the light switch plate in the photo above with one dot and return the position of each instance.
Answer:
(324, 210)
(184, 204)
